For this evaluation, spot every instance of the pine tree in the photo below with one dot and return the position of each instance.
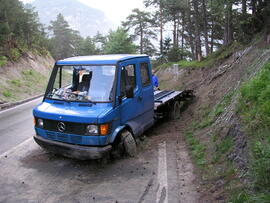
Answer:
(140, 22)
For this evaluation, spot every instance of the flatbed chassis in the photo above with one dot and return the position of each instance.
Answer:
(164, 101)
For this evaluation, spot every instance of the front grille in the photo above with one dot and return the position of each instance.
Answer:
(76, 139)
(51, 136)
(62, 137)
(72, 128)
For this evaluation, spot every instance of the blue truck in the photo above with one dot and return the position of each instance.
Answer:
(99, 105)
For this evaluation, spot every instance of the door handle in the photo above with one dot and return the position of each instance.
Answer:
(140, 98)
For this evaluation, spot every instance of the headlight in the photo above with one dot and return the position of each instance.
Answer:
(40, 123)
(92, 129)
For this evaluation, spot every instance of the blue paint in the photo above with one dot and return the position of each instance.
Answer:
(136, 113)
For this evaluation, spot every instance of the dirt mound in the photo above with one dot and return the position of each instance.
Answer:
(212, 118)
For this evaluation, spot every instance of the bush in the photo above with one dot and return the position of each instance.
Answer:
(256, 94)
(15, 54)
(6, 93)
(16, 82)
(261, 165)
(3, 61)
(254, 109)
(28, 72)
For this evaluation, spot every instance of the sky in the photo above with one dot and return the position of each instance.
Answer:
(115, 10)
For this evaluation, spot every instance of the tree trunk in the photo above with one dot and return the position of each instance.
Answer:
(244, 7)
(161, 27)
(212, 29)
(198, 49)
(177, 31)
(183, 31)
(190, 31)
(174, 31)
(205, 27)
(228, 29)
(253, 6)
(141, 40)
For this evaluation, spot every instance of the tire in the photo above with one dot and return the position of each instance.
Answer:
(129, 143)
(175, 111)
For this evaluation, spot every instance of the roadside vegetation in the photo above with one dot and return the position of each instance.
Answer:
(215, 58)
(31, 83)
(254, 110)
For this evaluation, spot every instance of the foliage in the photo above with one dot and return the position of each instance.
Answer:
(3, 61)
(19, 29)
(15, 54)
(64, 38)
(256, 93)
(197, 149)
(175, 54)
(261, 165)
(222, 148)
(119, 42)
(140, 22)
(254, 110)
(7, 93)
(86, 46)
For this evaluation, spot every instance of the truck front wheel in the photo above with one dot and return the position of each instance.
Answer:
(129, 143)
(124, 144)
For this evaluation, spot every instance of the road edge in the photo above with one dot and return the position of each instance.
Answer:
(6, 106)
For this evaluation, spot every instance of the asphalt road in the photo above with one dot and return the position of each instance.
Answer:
(16, 125)
(161, 172)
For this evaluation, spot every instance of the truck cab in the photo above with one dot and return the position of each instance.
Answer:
(95, 104)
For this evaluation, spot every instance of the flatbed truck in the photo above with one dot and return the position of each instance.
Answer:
(99, 105)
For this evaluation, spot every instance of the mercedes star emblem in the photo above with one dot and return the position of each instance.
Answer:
(61, 126)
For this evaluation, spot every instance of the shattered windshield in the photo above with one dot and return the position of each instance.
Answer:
(83, 83)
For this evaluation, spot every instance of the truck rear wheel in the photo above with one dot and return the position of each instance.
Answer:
(175, 111)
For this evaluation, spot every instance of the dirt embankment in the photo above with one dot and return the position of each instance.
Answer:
(212, 120)
(26, 78)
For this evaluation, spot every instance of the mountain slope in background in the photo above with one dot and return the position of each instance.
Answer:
(88, 21)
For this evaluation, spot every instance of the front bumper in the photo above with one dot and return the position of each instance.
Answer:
(73, 151)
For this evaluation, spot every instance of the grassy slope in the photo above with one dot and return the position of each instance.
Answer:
(254, 110)
(209, 146)
(27, 77)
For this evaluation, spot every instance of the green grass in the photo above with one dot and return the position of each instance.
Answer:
(213, 58)
(7, 93)
(197, 149)
(222, 148)
(16, 82)
(209, 117)
(256, 94)
(3, 61)
(254, 110)
(15, 54)
(30, 83)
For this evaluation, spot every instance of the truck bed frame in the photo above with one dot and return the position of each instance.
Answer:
(164, 101)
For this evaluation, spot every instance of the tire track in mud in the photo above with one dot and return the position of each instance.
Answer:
(182, 185)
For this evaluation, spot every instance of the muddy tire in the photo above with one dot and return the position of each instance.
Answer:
(129, 143)
(175, 111)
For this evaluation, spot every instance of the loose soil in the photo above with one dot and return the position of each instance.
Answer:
(211, 85)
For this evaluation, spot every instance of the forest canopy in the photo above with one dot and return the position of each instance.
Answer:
(184, 29)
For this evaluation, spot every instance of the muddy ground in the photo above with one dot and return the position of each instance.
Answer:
(162, 171)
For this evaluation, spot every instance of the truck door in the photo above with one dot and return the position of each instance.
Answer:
(131, 109)
(147, 94)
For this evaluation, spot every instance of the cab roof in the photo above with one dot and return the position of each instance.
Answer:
(98, 59)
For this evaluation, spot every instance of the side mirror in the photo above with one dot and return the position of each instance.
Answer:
(129, 91)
